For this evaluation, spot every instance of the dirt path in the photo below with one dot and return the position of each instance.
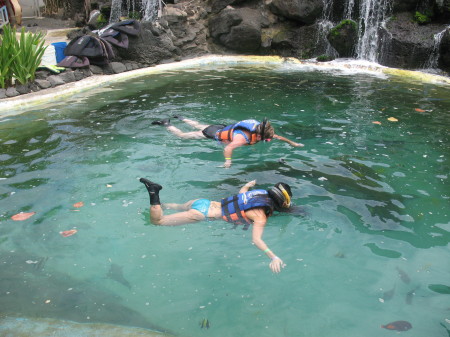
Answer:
(56, 30)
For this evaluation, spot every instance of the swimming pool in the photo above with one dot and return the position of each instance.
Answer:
(368, 247)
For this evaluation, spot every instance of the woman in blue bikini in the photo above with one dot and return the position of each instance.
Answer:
(248, 207)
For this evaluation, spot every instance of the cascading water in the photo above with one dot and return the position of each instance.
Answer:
(372, 15)
(150, 9)
(348, 11)
(325, 24)
(432, 62)
(116, 11)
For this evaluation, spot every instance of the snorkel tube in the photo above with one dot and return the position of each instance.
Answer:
(263, 130)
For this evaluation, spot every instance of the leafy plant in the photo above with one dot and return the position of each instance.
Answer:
(7, 55)
(421, 18)
(101, 21)
(29, 50)
(324, 58)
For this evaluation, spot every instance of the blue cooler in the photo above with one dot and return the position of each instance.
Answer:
(59, 50)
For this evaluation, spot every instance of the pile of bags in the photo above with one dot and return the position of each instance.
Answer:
(96, 49)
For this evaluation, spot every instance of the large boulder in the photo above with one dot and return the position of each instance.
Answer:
(304, 11)
(297, 42)
(153, 45)
(406, 44)
(404, 5)
(237, 29)
(344, 37)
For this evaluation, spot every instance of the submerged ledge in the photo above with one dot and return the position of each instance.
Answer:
(44, 327)
(15, 105)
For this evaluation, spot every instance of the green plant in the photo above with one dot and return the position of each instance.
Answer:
(7, 55)
(29, 50)
(344, 23)
(421, 18)
(324, 58)
(101, 21)
(135, 15)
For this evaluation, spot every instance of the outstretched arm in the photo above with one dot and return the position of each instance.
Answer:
(259, 221)
(247, 186)
(238, 141)
(290, 142)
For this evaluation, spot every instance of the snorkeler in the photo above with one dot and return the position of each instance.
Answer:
(246, 208)
(246, 132)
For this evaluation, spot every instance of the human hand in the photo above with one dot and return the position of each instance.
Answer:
(276, 264)
(251, 183)
(227, 163)
(297, 144)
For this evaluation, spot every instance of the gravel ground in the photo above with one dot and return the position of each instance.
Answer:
(55, 29)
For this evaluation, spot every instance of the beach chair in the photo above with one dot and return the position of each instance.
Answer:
(4, 19)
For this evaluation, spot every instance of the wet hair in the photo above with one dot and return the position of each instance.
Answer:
(281, 195)
(265, 130)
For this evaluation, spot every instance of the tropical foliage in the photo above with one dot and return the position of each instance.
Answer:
(19, 57)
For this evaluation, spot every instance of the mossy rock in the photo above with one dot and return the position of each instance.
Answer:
(343, 37)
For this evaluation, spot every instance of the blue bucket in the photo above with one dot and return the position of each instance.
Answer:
(59, 50)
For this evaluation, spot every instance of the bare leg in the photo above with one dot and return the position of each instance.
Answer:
(195, 124)
(186, 135)
(158, 218)
(178, 207)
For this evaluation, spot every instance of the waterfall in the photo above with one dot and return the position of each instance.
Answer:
(348, 11)
(324, 26)
(434, 56)
(116, 11)
(150, 9)
(372, 15)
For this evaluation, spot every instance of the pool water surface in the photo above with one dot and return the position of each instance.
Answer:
(367, 244)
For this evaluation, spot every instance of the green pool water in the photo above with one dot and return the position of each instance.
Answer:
(368, 244)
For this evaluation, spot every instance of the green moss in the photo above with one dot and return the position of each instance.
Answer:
(421, 18)
(335, 31)
(324, 58)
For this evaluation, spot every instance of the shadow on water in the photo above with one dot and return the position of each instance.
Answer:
(28, 289)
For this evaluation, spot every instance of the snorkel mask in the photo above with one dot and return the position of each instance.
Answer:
(281, 194)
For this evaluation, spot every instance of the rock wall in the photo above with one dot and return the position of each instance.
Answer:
(295, 28)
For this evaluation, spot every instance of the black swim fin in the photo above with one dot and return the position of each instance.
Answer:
(163, 122)
(153, 190)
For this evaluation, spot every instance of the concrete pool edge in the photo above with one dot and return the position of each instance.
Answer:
(15, 105)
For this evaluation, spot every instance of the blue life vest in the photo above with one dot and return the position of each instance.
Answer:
(234, 207)
(226, 134)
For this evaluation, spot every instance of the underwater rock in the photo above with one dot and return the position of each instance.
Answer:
(116, 273)
(48, 293)
(42, 327)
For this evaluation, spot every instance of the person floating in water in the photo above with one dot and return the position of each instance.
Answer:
(246, 132)
(246, 208)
